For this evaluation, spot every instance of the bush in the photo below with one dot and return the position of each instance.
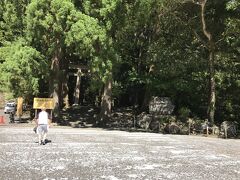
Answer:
(183, 114)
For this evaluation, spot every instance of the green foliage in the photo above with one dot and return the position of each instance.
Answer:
(47, 23)
(84, 35)
(145, 46)
(11, 19)
(233, 5)
(21, 68)
(184, 113)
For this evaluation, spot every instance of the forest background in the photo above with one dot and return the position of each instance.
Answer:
(187, 50)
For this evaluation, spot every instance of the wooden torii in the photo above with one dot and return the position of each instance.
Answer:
(81, 71)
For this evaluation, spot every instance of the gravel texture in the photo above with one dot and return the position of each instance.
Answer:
(75, 153)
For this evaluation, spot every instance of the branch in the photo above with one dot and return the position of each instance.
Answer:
(200, 39)
(206, 33)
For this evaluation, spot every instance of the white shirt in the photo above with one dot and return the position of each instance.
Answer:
(43, 117)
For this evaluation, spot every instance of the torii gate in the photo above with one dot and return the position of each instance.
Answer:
(81, 71)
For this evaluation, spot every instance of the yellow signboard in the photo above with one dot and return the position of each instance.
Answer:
(46, 103)
(19, 106)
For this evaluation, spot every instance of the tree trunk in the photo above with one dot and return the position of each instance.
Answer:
(212, 93)
(77, 87)
(55, 85)
(106, 103)
(148, 92)
(65, 90)
(211, 49)
(64, 82)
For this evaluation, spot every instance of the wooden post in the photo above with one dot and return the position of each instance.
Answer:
(225, 131)
(35, 114)
(19, 108)
(207, 129)
(189, 128)
(77, 88)
(51, 114)
(190, 123)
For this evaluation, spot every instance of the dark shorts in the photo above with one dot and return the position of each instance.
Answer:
(42, 128)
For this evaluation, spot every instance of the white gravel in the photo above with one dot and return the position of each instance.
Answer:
(113, 155)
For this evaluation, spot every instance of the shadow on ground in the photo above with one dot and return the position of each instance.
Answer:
(79, 116)
(86, 116)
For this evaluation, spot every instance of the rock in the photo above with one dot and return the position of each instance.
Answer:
(144, 120)
(228, 129)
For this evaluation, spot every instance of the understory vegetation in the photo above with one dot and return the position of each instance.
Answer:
(129, 51)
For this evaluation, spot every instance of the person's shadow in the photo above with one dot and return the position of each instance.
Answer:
(46, 141)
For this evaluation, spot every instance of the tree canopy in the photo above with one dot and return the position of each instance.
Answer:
(186, 50)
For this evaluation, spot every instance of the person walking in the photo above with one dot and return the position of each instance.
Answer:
(43, 123)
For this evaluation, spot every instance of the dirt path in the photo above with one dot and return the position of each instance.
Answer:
(97, 154)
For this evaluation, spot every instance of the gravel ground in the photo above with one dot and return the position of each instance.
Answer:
(76, 153)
